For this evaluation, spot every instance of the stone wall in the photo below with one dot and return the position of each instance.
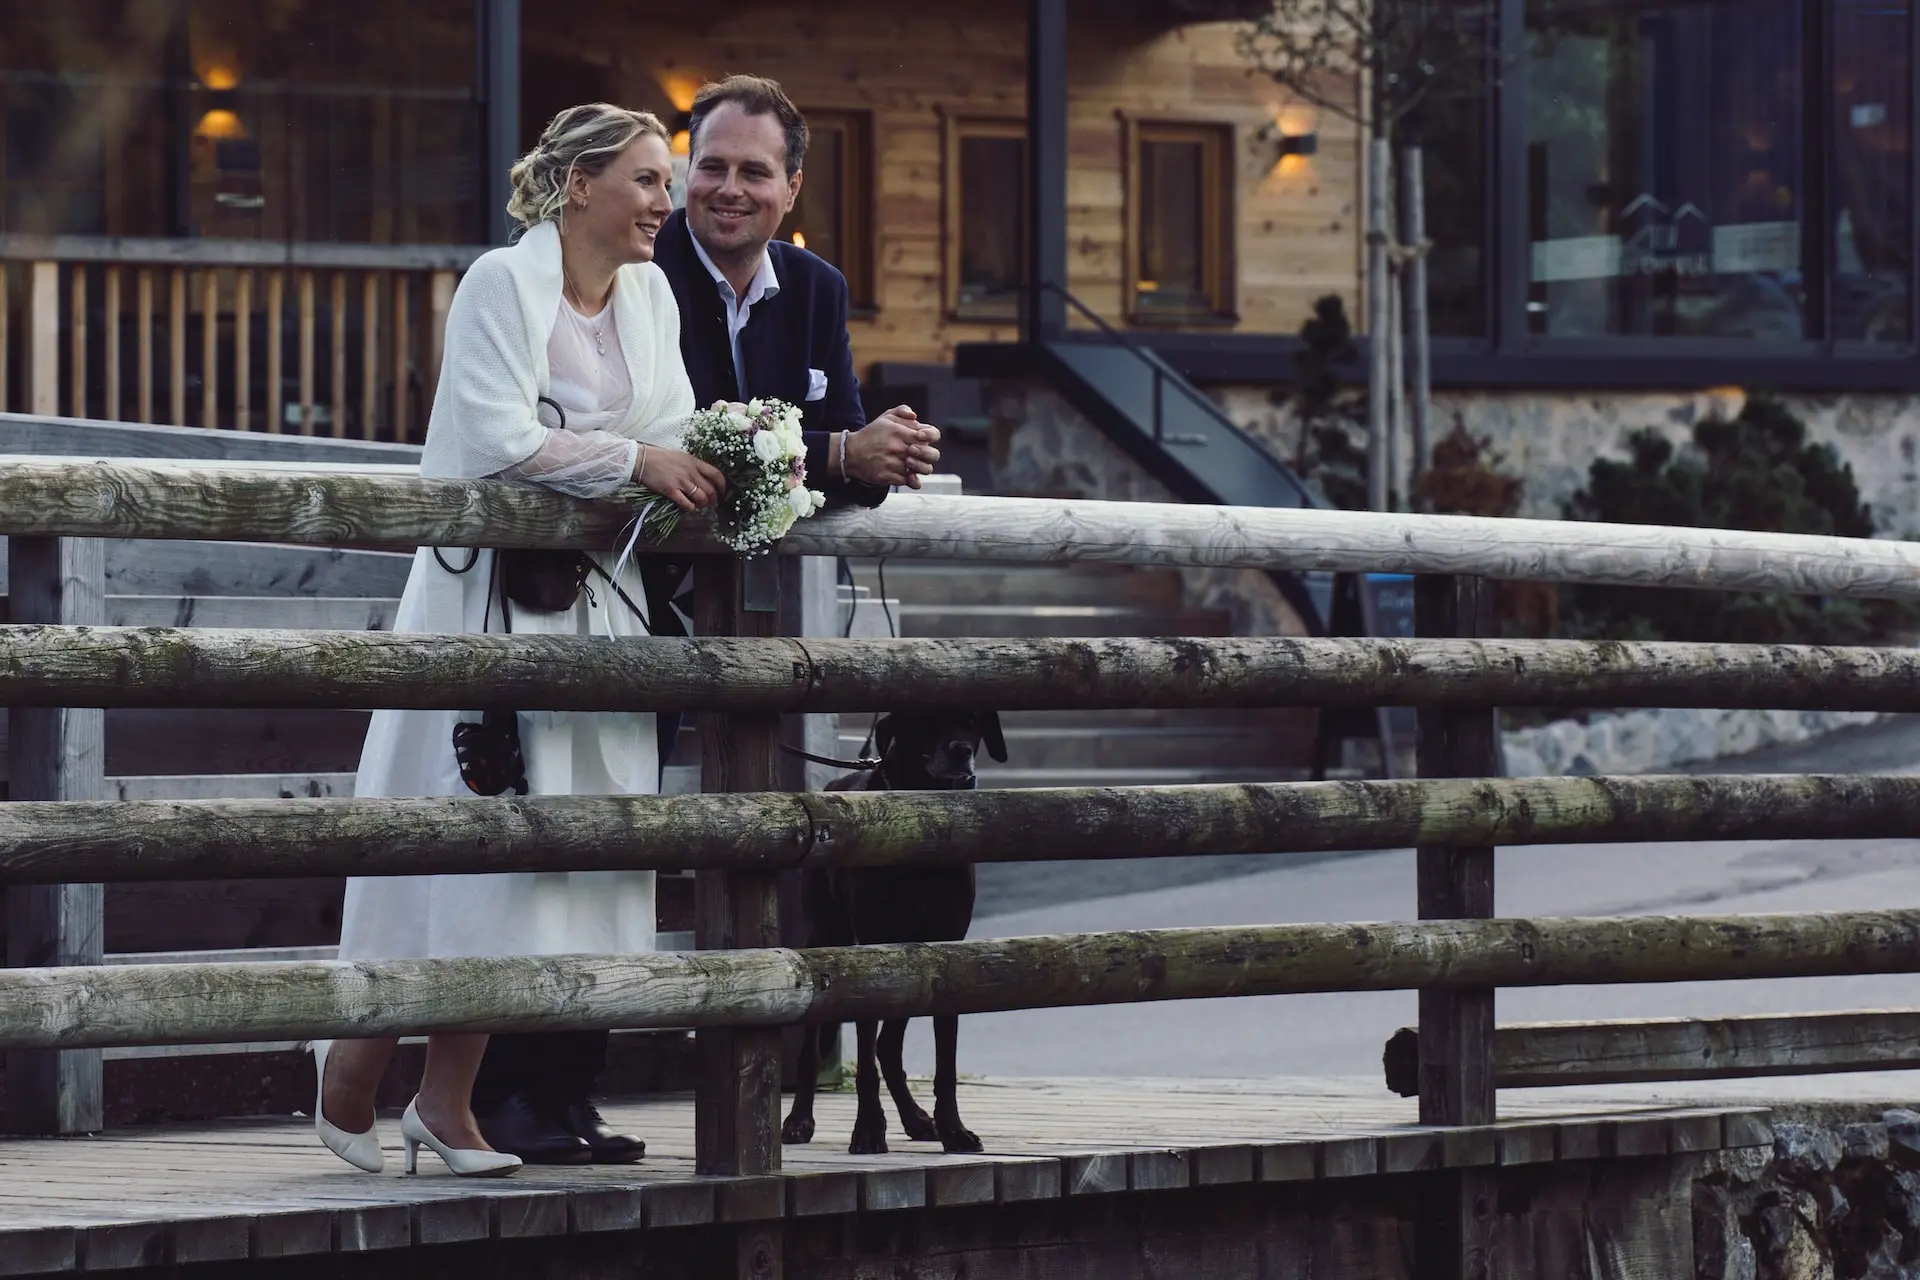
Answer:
(1550, 438)
(1836, 1198)
(1041, 447)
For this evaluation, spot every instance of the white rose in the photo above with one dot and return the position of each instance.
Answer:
(800, 501)
(739, 421)
(819, 501)
(790, 438)
(765, 447)
(755, 408)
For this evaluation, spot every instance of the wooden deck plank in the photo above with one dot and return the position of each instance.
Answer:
(255, 1189)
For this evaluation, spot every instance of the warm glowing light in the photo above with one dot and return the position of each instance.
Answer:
(680, 90)
(1293, 166)
(220, 123)
(799, 238)
(1296, 120)
(219, 78)
(682, 143)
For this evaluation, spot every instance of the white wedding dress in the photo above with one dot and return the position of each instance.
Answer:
(620, 379)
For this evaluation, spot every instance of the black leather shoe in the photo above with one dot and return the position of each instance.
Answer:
(519, 1126)
(584, 1121)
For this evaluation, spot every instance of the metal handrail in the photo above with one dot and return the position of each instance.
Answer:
(1160, 371)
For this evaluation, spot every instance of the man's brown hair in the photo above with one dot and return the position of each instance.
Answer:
(756, 96)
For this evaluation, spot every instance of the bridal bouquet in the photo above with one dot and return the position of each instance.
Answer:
(757, 446)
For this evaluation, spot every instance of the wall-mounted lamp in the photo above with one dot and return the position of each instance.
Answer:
(1299, 144)
(681, 128)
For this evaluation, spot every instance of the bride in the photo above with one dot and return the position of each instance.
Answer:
(562, 367)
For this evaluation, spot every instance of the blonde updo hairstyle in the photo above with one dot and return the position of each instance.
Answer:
(587, 138)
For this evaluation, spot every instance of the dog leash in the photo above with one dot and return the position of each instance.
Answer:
(865, 763)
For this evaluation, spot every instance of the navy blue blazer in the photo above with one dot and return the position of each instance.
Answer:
(802, 328)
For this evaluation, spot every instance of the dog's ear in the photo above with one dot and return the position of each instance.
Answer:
(990, 736)
(883, 735)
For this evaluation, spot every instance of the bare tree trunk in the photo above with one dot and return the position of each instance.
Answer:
(1379, 323)
(1413, 284)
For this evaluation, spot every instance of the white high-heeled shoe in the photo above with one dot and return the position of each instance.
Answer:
(361, 1150)
(464, 1163)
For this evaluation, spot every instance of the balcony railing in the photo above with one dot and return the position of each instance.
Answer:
(315, 339)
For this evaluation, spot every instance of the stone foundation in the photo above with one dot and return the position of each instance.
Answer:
(1836, 1198)
(1042, 447)
(1551, 438)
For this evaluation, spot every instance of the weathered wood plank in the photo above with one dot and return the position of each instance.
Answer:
(148, 500)
(1541, 1054)
(28, 246)
(145, 840)
(55, 754)
(95, 1006)
(181, 666)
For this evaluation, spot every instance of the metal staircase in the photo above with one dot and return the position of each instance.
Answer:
(1178, 435)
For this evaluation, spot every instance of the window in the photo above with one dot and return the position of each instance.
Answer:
(1181, 242)
(986, 217)
(1666, 171)
(350, 120)
(834, 211)
(1872, 159)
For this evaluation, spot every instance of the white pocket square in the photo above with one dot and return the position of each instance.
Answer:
(816, 384)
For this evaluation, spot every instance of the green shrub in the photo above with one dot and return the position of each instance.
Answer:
(1755, 472)
(1332, 415)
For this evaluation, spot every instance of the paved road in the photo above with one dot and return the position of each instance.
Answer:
(1342, 1034)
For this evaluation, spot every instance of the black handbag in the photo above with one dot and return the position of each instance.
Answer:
(488, 752)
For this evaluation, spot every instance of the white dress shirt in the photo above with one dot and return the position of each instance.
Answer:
(765, 284)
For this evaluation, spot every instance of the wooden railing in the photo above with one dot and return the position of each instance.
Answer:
(62, 1000)
(315, 339)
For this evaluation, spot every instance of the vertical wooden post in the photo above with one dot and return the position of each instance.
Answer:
(737, 1097)
(440, 302)
(77, 343)
(143, 342)
(1459, 1208)
(55, 754)
(110, 337)
(243, 349)
(177, 348)
(306, 353)
(276, 350)
(369, 354)
(210, 348)
(43, 339)
(337, 327)
(1419, 345)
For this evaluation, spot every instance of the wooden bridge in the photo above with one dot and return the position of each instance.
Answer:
(1201, 1181)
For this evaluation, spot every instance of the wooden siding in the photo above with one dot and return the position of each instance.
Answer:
(1297, 234)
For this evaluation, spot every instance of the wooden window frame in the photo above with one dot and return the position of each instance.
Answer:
(958, 128)
(1219, 216)
(856, 199)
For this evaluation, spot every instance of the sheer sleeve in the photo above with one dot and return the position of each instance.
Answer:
(585, 464)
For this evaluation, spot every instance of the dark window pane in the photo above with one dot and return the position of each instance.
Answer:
(993, 197)
(1173, 202)
(1665, 169)
(86, 117)
(1872, 204)
(818, 222)
(352, 120)
(1450, 128)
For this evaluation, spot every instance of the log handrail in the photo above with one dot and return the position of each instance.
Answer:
(175, 667)
(128, 841)
(110, 1005)
(139, 499)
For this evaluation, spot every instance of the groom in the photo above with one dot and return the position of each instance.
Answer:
(758, 318)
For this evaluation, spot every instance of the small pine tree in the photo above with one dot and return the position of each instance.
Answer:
(1331, 414)
(1755, 471)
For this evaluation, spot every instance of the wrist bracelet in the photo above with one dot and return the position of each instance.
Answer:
(843, 456)
(641, 474)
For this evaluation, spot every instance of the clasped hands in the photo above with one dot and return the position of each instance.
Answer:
(896, 448)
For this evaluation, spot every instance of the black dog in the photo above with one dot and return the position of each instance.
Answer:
(919, 751)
